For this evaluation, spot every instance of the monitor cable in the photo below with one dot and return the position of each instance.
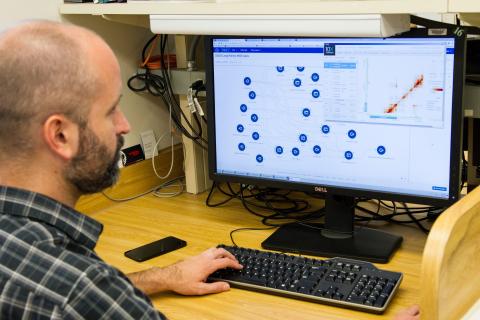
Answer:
(430, 214)
(266, 199)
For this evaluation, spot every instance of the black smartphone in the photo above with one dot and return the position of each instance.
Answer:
(155, 249)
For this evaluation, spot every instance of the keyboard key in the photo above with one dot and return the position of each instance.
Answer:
(356, 299)
(381, 300)
(388, 287)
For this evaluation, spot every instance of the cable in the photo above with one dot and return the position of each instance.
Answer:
(415, 220)
(159, 194)
(154, 189)
(154, 84)
(431, 214)
(244, 229)
(371, 217)
(207, 202)
(146, 62)
(278, 209)
(281, 209)
(172, 158)
(159, 85)
(193, 134)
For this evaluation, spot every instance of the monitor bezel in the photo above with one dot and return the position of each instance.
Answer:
(456, 130)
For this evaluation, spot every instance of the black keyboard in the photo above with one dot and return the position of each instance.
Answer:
(338, 281)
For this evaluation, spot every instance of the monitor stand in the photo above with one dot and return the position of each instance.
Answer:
(338, 237)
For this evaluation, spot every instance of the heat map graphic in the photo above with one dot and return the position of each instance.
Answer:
(418, 83)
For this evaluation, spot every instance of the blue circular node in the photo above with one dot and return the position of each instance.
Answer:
(317, 149)
(381, 150)
(315, 93)
(241, 146)
(303, 137)
(252, 95)
(247, 81)
(280, 68)
(259, 158)
(254, 117)
(295, 151)
(348, 155)
(352, 134)
(306, 112)
(325, 129)
(279, 150)
(240, 128)
(315, 77)
(243, 108)
(297, 82)
(255, 136)
(300, 69)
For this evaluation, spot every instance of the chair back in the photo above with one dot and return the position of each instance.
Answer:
(450, 275)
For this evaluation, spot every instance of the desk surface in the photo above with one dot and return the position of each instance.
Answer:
(131, 224)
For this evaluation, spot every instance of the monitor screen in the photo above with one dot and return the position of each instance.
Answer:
(361, 117)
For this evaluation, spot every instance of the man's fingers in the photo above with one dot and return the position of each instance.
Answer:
(410, 313)
(413, 310)
(222, 253)
(223, 263)
(214, 287)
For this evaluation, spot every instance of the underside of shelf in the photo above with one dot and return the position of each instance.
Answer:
(261, 7)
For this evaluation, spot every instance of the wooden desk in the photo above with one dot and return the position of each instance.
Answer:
(128, 225)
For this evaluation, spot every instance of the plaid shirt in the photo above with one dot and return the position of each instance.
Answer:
(48, 269)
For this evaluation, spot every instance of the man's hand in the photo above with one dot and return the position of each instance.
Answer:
(411, 313)
(188, 276)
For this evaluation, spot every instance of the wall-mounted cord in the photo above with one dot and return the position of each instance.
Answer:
(189, 130)
(159, 85)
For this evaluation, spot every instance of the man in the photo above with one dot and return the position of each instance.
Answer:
(60, 135)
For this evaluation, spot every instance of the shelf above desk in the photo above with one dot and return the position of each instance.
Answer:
(124, 12)
(258, 7)
(304, 18)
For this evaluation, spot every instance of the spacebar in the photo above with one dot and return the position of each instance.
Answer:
(254, 281)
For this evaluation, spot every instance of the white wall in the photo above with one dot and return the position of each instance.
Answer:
(143, 111)
(12, 11)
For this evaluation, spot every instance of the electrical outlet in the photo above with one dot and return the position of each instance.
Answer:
(148, 143)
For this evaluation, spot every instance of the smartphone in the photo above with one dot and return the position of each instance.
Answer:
(155, 248)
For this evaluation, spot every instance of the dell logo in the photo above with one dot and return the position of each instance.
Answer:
(320, 189)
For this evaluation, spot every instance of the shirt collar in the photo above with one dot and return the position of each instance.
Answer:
(81, 228)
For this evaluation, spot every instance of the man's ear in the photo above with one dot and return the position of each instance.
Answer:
(61, 135)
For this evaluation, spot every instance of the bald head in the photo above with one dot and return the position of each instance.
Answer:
(47, 68)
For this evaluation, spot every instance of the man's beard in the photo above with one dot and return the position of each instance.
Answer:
(93, 169)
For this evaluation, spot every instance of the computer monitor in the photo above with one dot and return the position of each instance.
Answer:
(347, 117)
